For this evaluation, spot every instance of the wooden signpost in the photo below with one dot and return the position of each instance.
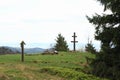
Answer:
(74, 41)
(22, 50)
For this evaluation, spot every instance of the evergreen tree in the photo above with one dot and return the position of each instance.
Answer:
(107, 62)
(61, 44)
(89, 48)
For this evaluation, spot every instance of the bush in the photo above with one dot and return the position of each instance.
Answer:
(69, 73)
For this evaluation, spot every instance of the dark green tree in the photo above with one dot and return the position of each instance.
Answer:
(61, 44)
(107, 62)
(89, 48)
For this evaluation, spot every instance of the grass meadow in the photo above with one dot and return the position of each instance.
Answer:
(64, 66)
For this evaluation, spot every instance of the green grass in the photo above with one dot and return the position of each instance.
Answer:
(45, 67)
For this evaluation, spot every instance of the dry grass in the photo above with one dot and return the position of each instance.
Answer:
(4, 77)
(20, 67)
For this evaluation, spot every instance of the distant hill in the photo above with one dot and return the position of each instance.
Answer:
(34, 50)
(6, 50)
(26, 50)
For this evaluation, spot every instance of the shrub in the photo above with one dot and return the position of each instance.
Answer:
(69, 73)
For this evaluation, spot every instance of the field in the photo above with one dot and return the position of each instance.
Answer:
(64, 66)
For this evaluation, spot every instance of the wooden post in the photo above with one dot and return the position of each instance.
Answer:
(74, 41)
(22, 50)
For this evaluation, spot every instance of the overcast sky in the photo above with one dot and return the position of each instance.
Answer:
(40, 21)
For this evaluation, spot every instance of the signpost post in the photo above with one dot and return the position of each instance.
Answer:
(22, 50)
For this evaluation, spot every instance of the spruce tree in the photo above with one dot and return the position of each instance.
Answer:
(89, 48)
(107, 62)
(61, 44)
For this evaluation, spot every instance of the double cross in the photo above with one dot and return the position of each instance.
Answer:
(74, 41)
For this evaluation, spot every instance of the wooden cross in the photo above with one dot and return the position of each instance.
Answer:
(22, 50)
(74, 41)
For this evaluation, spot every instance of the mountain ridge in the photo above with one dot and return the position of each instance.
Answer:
(26, 50)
